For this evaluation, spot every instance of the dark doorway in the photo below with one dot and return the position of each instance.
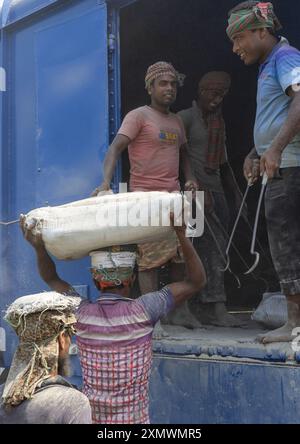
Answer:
(191, 35)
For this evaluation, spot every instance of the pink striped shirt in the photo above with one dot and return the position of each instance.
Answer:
(114, 338)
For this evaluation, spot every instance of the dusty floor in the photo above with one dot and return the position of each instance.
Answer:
(226, 342)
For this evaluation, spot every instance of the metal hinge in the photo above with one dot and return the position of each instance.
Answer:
(111, 42)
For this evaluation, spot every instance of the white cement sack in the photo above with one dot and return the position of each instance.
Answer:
(272, 311)
(74, 230)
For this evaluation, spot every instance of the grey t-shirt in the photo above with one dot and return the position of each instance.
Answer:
(57, 402)
(197, 137)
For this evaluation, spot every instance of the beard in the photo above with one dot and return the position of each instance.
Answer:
(64, 366)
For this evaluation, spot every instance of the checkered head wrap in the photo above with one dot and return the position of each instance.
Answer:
(162, 69)
(38, 320)
(113, 267)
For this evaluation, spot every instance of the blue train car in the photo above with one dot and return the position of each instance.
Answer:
(70, 70)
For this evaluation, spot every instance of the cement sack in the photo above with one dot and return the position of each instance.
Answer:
(272, 311)
(73, 230)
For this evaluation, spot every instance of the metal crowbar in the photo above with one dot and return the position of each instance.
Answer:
(250, 184)
(252, 251)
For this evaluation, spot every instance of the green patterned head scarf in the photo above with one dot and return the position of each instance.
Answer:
(259, 16)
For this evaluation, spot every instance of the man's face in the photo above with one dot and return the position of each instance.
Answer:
(163, 90)
(249, 45)
(211, 98)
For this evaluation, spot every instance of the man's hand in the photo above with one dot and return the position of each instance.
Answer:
(191, 185)
(35, 240)
(179, 229)
(251, 169)
(270, 162)
(103, 187)
(209, 203)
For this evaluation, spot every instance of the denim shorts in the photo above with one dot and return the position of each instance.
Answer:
(282, 207)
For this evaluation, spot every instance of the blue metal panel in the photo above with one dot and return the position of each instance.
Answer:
(114, 87)
(14, 11)
(270, 353)
(70, 115)
(120, 3)
(196, 391)
(55, 123)
(2, 94)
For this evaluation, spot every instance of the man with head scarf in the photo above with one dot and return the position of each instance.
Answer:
(157, 146)
(252, 28)
(114, 335)
(205, 130)
(36, 391)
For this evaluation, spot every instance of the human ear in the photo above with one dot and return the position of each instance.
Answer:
(61, 340)
(64, 341)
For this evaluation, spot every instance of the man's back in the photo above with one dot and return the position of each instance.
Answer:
(56, 402)
(114, 338)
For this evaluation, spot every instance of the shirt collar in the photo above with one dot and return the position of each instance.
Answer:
(282, 41)
(111, 297)
(55, 380)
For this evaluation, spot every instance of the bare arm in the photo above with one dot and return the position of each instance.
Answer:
(196, 277)
(251, 166)
(48, 273)
(191, 183)
(271, 160)
(253, 154)
(45, 264)
(118, 145)
(291, 126)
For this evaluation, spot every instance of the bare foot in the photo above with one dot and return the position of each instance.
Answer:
(217, 314)
(159, 333)
(284, 333)
(184, 317)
